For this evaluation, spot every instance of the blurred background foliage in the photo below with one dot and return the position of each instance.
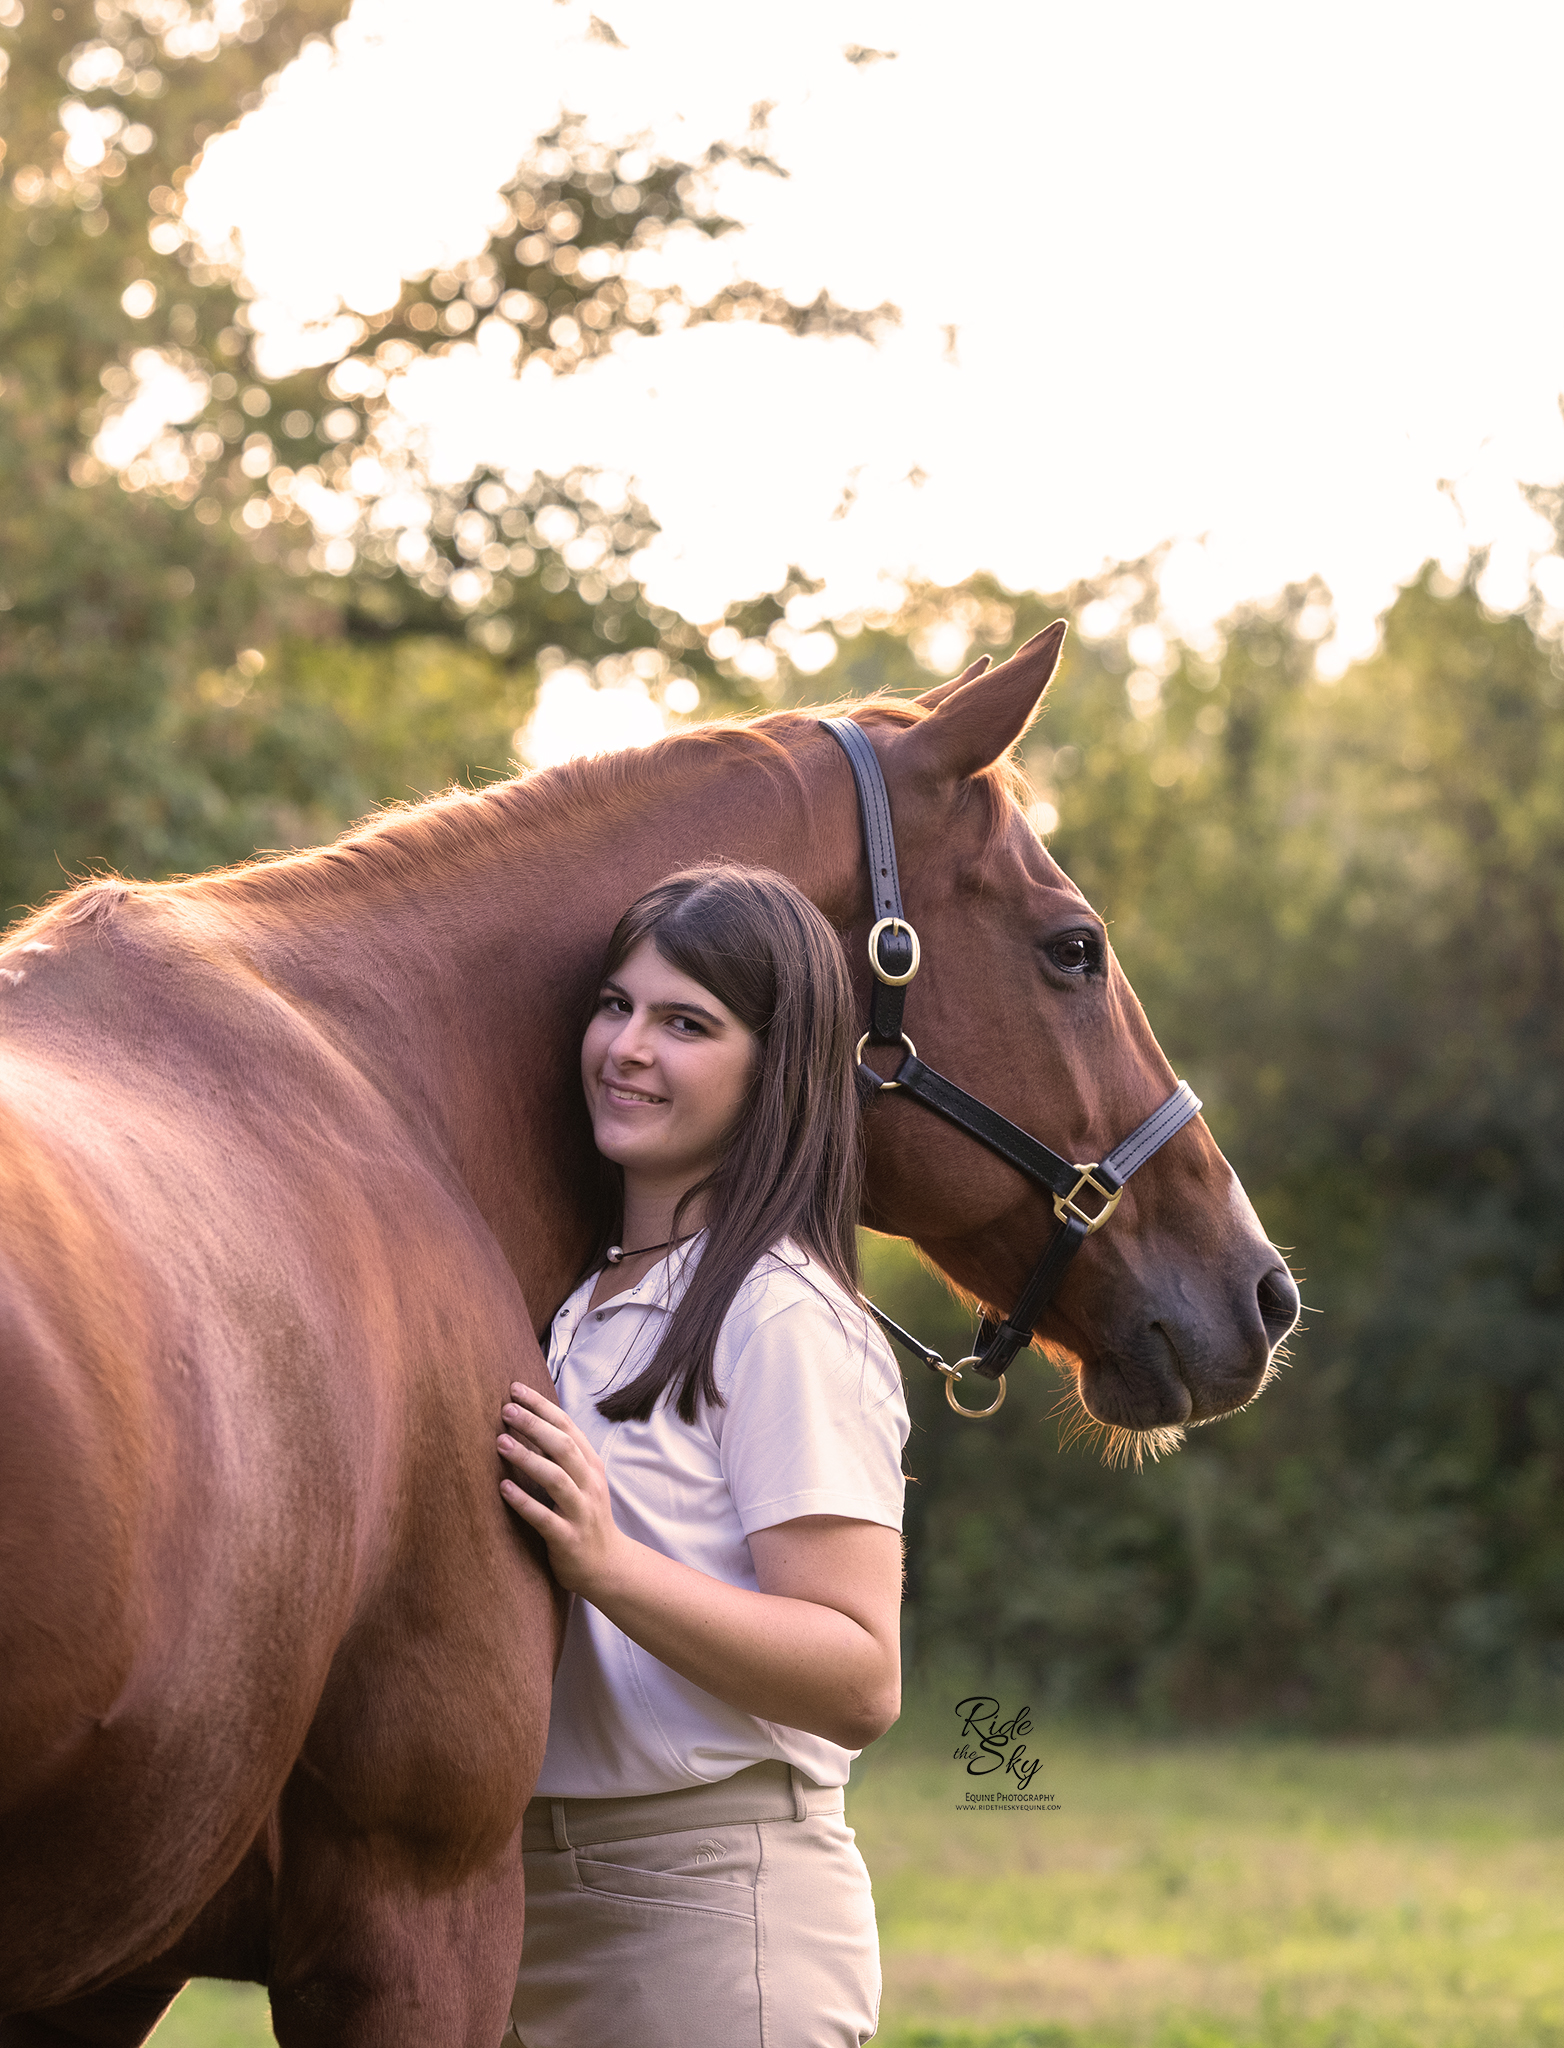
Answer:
(1340, 902)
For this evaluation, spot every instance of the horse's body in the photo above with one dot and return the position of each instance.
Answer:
(292, 1165)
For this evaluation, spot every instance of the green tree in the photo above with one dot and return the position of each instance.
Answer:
(132, 610)
(112, 603)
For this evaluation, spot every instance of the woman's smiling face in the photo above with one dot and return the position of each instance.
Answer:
(666, 1068)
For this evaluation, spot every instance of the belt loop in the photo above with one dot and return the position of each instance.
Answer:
(556, 1813)
(800, 1803)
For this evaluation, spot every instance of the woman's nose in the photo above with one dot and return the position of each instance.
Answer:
(631, 1044)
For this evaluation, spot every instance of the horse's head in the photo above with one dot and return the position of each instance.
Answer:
(1172, 1312)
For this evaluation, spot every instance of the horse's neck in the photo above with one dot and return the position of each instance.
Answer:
(461, 992)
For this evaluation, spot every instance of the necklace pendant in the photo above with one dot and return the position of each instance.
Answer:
(614, 1254)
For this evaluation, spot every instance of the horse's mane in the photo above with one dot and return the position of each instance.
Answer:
(437, 838)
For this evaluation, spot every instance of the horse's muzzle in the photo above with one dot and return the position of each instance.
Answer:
(1194, 1364)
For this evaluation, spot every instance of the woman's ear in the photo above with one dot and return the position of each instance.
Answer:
(974, 722)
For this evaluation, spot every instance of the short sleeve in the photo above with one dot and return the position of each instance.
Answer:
(815, 1416)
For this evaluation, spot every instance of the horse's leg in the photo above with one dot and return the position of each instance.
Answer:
(373, 1946)
(406, 1971)
(397, 1898)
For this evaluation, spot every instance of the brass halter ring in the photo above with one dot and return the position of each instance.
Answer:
(893, 924)
(952, 1373)
(858, 1058)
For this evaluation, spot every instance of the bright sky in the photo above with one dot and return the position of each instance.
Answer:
(1253, 279)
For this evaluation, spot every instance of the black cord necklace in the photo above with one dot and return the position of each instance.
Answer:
(616, 1253)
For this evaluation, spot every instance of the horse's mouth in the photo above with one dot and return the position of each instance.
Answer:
(1127, 1412)
(1158, 1389)
(1145, 1392)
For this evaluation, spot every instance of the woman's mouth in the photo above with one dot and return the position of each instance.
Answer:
(630, 1097)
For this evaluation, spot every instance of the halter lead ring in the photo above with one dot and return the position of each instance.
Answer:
(1103, 1181)
(952, 1374)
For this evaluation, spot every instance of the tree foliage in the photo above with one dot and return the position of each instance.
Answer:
(113, 603)
(133, 609)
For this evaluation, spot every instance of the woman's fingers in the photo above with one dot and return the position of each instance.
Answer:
(540, 1404)
(537, 1465)
(548, 1453)
(529, 1397)
(548, 1522)
(524, 1402)
(548, 1414)
(559, 1454)
(554, 1435)
(527, 1505)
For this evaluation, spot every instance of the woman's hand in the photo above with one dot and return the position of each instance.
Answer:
(541, 1444)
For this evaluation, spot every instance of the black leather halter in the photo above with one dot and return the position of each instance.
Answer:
(1084, 1197)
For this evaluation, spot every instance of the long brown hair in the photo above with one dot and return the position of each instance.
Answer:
(793, 1163)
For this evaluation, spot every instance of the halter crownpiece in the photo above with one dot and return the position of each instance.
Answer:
(1084, 1197)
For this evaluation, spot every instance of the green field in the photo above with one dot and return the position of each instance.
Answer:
(1195, 1895)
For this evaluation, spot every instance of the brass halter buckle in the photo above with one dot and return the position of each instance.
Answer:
(1068, 1209)
(952, 1373)
(893, 924)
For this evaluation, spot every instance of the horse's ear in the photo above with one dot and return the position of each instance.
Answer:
(975, 722)
(931, 700)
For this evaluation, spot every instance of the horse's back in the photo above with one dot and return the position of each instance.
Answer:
(252, 1340)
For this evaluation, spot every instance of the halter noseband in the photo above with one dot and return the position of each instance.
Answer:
(1084, 1197)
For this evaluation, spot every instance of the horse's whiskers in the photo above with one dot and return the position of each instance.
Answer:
(1126, 1447)
(1120, 1448)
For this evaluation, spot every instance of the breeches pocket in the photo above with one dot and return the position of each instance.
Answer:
(711, 1872)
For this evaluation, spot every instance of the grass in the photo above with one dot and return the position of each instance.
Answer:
(208, 2015)
(1224, 1894)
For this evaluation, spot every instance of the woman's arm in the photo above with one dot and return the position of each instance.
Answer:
(816, 1648)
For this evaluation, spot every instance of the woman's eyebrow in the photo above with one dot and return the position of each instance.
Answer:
(666, 1009)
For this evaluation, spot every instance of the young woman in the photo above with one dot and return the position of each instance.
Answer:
(721, 1490)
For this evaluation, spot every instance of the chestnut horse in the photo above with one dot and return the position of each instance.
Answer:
(294, 1164)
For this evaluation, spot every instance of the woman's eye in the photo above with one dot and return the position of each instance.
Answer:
(1072, 954)
(687, 1027)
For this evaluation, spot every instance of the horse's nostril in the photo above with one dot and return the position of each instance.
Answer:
(1277, 1295)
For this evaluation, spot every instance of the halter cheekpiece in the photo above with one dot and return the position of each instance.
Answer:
(1084, 1197)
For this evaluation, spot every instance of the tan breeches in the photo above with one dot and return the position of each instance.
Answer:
(735, 1915)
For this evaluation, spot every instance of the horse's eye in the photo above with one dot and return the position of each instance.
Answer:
(1072, 954)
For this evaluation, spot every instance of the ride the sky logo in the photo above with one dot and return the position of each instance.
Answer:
(992, 1746)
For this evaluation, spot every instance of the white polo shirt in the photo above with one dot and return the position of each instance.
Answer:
(813, 1424)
